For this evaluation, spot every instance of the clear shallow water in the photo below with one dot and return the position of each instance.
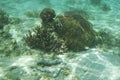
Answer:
(99, 63)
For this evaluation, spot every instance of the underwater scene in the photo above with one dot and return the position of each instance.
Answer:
(59, 39)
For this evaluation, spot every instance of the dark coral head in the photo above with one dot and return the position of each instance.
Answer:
(47, 15)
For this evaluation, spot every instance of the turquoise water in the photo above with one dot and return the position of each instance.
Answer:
(19, 62)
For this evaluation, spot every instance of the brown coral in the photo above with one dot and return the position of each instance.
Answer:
(43, 39)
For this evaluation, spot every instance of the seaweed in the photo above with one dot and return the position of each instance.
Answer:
(107, 39)
(105, 7)
(4, 18)
(14, 20)
(34, 14)
(43, 39)
(95, 2)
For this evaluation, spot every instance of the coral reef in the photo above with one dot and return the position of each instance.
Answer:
(8, 45)
(4, 18)
(67, 31)
(43, 39)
